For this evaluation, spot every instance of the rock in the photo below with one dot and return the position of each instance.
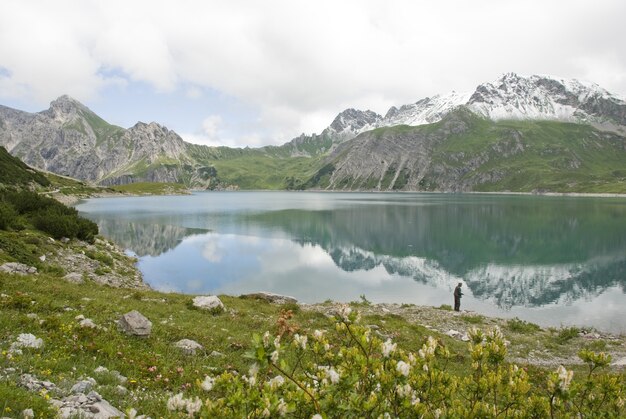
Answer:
(453, 333)
(82, 387)
(134, 323)
(216, 354)
(28, 413)
(620, 362)
(65, 240)
(87, 323)
(27, 340)
(188, 346)
(208, 302)
(121, 390)
(271, 298)
(42, 258)
(18, 268)
(74, 278)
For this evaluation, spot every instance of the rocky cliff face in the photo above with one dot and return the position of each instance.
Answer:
(70, 139)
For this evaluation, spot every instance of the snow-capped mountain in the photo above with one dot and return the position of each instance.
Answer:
(511, 96)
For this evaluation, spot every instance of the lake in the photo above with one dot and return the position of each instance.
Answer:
(550, 260)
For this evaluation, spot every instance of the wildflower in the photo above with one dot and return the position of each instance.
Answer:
(403, 368)
(193, 406)
(277, 342)
(425, 367)
(274, 357)
(208, 383)
(266, 339)
(316, 416)
(265, 413)
(404, 391)
(437, 413)
(388, 348)
(152, 368)
(176, 402)
(331, 374)
(318, 334)
(344, 312)
(300, 340)
(565, 377)
(276, 382)
(281, 408)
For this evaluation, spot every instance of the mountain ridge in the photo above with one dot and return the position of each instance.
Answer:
(70, 139)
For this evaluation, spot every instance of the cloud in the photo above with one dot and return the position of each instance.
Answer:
(300, 63)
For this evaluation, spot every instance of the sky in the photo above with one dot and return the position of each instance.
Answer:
(252, 73)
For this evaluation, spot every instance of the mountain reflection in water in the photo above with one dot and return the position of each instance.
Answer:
(512, 252)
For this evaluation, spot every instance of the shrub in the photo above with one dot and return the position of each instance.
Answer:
(566, 334)
(55, 223)
(7, 216)
(521, 326)
(356, 374)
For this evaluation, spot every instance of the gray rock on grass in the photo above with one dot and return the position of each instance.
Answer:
(209, 302)
(136, 324)
(271, 297)
(188, 346)
(18, 268)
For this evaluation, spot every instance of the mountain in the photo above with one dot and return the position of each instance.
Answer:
(510, 97)
(518, 133)
(467, 152)
(69, 139)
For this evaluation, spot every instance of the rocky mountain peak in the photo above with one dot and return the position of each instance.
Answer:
(66, 108)
(355, 121)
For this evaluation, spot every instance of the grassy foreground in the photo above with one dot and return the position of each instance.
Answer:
(155, 370)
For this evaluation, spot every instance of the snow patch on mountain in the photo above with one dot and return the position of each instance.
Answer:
(511, 96)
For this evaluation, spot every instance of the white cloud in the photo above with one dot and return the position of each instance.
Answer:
(299, 63)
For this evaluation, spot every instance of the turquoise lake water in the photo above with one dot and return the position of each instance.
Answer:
(550, 260)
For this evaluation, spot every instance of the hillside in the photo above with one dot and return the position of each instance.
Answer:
(466, 152)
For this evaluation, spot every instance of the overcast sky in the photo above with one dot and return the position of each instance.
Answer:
(254, 72)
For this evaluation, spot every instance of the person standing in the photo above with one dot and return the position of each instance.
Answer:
(457, 297)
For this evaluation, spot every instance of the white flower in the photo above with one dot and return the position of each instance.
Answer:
(565, 377)
(344, 312)
(276, 382)
(388, 348)
(425, 367)
(404, 391)
(300, 340)
(265, 413)
(318, 334)
(176, 402)
(193, 406)
(208, 383)
(317, 416)
(277, 342)
(254, 370)
(274, 357)
(403, 368)
(281, 408)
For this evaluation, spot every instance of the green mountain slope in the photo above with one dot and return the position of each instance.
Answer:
(15, 172)
(464, 152)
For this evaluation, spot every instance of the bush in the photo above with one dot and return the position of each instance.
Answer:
(356, 374)
(7, 216)
(521, 326)
(55, 223)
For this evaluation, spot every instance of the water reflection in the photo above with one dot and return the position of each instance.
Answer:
(520, 254)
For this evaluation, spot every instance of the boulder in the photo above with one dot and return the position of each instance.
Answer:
(27, 340)
(74, 277)
(208, 302)
(18, 268)
(271, 298)
(134, 323)
(188, 346)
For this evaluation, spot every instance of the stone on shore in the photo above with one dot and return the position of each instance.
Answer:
(271, 297)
